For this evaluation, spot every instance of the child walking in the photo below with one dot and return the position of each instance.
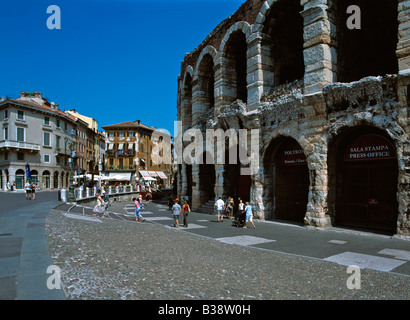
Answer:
(137, 212)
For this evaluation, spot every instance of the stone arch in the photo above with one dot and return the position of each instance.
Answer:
(286, 179)
(208, 50)
(282, 26)
(363, 186)
(56, 179)
(370, 50)
(234, 50)
(46, 179)
(186, 101)
(204, 82)
(260, 19)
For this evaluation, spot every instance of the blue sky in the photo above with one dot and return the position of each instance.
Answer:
(113, 60)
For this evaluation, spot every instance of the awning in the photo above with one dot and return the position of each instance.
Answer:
(120, 146)
(110, 146)
(153, 173)
(120, 176)
(161, 175)
(144, 174)
(149, 179)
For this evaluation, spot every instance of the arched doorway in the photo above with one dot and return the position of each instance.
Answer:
(34, 176)
(46, 179)
(20, 179)
(55, 186)
(366, 182)
(287, 180)
(207, 180)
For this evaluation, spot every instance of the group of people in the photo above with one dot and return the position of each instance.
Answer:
(176, 209)
(103, 202)
(227, 208)
(30, 189)
(138, 206)
(223, 208)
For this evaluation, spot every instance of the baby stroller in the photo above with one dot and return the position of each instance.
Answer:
(239, 220)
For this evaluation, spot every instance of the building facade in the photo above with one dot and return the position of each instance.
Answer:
(324, 107)
(130, 152)
(91, 143)
(37, 133)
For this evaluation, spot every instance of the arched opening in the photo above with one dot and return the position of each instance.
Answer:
(370, 50)
(34, 176)
(207, 180)
(236, 55)
(363, 178)
(55, 186)
(206, 77)
(285, 26)
(46, 179)
(187, 102)
(20, 179)
(62, 180)
(287, 180)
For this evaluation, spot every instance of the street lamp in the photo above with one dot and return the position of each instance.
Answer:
(72, 147)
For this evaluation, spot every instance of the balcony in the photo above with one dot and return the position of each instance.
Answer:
(9, 144)
(130, 167)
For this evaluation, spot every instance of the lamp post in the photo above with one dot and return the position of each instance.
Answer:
(72, 147)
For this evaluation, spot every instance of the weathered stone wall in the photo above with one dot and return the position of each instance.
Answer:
(314, 111)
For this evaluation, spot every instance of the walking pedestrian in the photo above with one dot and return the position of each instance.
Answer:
(219, 205)
(231, 205)
(248, 212)
(33, 191)
(137, 212)
(107, 201)
(170, 202)
(99, 208)
(186, 209)
(27, 187)
(176, 211)
(147, 198)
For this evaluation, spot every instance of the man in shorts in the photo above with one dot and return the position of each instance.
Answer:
(176, 211)
(248, 211)
(219, 205)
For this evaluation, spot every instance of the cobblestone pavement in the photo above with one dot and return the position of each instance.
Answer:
(117, 258)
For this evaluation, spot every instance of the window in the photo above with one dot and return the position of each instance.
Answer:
(20, 134)
(6, 156)
(58, 123)
(111, 134)
(6, 133)
(47, 121)
(47, 158)
(65, 126)
(6, 114)
(131, 134)
(58, 142)
(121, 134)
(46, 140)
(20, 115)
(20, 156)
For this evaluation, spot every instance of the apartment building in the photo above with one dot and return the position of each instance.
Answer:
(35, 132)
(129, 153)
